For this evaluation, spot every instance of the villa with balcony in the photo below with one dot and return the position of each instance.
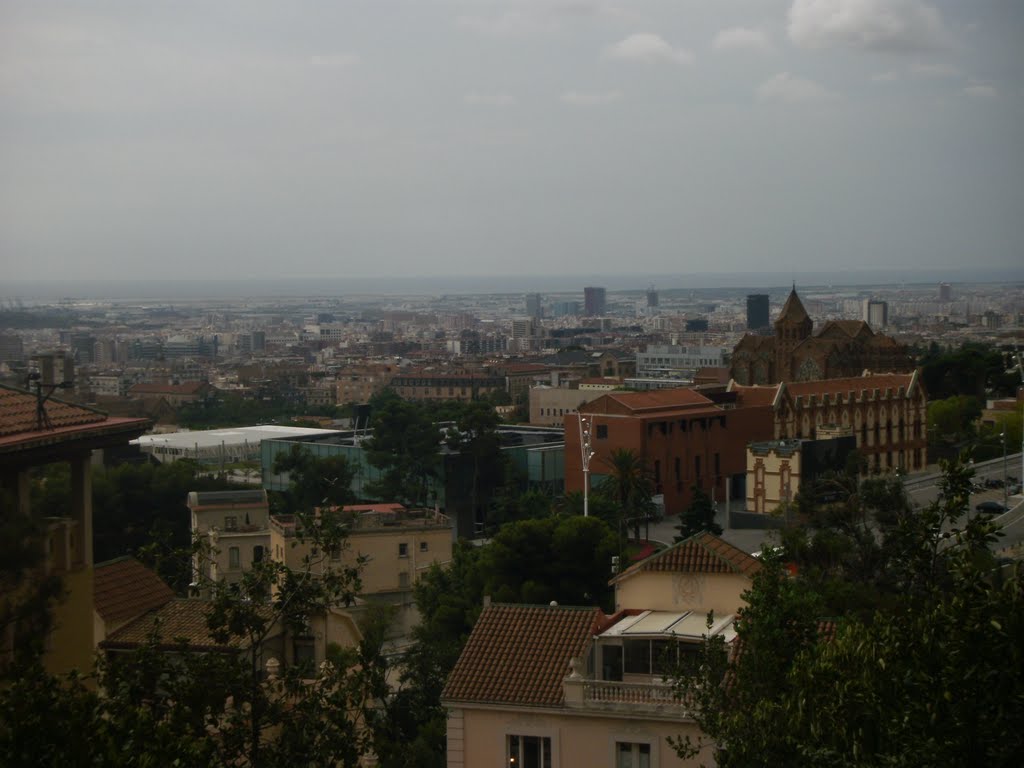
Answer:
(552, 686)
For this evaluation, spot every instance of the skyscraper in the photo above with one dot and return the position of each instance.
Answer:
(593, 301)
(652, 297)
(757, 311)
(875, 313)
(945, 292)
(533, 306)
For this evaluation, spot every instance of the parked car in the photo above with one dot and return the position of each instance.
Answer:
(991, 508)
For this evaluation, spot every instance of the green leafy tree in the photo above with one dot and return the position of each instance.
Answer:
(314, 481)
(138, 509)
(567, 559)
(475, 435)
(932, 677)
(629, 484)
(164, 704)
(698, 516)
(404, 447)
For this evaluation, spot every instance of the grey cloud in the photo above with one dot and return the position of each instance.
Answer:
(894, 26)
(785, 88)
(647, 47)
(742, 39)
(590, 98)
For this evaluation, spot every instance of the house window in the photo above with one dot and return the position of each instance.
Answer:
(403, 580)
(305, 652)
(637, 657)
(403, 549)
(234, 558)
(257, 554)
(528, 751)
(423, 546)
(230, 523)
(602, 431)
(632, 755)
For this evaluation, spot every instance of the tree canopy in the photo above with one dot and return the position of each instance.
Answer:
(404, 447)
(698, 516)
(163, 703)
(930, 674)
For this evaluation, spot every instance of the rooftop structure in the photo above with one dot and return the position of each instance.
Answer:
(214, 446)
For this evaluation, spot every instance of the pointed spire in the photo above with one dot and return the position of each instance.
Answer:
(793, 310)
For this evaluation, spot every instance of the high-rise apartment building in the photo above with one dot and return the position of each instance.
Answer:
(593, 301)
(875, 313)
(945, 292)
(566, 308)
(757, 311)
(533, 306)
(12, 349)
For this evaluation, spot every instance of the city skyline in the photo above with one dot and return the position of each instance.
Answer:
(479, 140)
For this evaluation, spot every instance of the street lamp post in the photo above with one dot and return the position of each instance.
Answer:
(585, 455)
(1005, 484)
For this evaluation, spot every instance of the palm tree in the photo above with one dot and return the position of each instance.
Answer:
(629, 484)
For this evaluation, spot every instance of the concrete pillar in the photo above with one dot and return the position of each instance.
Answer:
(16, 484)
(81, 503)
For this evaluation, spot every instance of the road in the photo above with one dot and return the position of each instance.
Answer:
(922, 489)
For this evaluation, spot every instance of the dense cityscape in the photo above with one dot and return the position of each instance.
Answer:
(447, 466)
(524, 383)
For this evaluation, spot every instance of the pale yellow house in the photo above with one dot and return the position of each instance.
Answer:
(559, 687)
(236, 525)
(396, 547)
(773, 474)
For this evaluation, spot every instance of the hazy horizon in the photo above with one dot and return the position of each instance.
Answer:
(56, 289)
(481, 138)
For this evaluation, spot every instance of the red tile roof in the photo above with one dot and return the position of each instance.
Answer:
(519, 654)
(871, 382)
(180, 620)
(66, 422)
(701, 553)
(124, 588)
(753, 396)
(655, 400)
(18, 412)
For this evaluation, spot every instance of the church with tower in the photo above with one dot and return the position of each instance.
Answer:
(841, 348)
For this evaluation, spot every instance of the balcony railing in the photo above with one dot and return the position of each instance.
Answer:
(619, 696)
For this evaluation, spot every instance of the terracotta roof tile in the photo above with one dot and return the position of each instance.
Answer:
(125, 588)
(179, 620)
(18, 412)
(519, 654)
(655, 400)
(702, 553)
(857, 384)
(752, 396)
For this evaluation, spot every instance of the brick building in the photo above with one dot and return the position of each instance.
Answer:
(841, 348)
(886, 413)
(686, 439)
(431, 386)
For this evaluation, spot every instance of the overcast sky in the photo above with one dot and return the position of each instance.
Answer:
(183, 139)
